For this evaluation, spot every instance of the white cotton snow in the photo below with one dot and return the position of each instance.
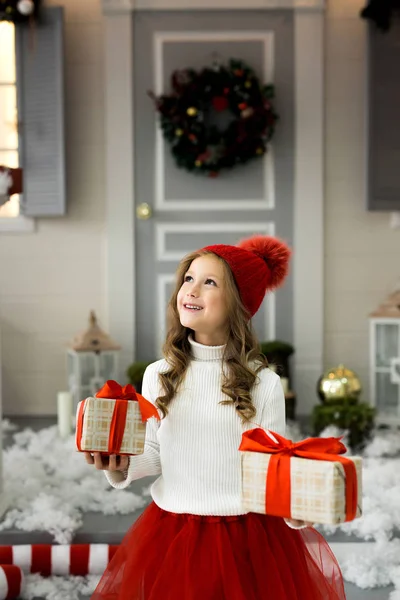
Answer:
(55, 588)
(293, 431)
(50, 486)
(7, 426)
(380, 566)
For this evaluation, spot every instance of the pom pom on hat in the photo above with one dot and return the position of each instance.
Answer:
(259, 264)
(275, 253)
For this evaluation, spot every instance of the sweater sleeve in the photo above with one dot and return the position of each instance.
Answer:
(148, 463)
(273, 417)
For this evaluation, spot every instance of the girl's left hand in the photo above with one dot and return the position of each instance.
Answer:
(298, 523)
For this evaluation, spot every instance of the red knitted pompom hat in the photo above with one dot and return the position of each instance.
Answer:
(259, 264)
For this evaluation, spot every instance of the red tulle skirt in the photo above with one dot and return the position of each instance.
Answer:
(165, 556)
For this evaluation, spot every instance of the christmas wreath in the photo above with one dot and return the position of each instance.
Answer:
(189, 117)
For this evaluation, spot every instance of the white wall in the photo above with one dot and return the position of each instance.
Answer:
(361, 250)
(50, 279)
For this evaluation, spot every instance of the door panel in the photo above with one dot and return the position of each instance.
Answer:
(192, 211)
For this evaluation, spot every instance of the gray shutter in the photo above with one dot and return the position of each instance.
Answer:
(40, 82)
(384, 119)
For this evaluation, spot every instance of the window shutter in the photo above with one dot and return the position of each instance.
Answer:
(40, 84)
(383, 118)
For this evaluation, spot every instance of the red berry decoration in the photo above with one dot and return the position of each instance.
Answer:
(220, 103)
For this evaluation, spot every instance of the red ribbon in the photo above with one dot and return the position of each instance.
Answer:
(277, 501)
(114, 391)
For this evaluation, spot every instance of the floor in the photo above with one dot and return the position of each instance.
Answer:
(98, 528)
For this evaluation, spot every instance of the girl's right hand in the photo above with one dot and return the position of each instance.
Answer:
(114, 462)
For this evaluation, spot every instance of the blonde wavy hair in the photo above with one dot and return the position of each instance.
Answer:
(242, 350)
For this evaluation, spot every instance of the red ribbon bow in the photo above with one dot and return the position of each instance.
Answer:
(278, 497)
(122, 395)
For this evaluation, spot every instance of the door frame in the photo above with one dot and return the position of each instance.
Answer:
(308, 259)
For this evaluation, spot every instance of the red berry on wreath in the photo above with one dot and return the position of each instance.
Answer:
(192, 138)
(242, 105)
(238, 72)
(226, 91)
(219, 103)
(204, 156)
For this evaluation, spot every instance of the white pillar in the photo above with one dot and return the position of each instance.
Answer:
(308, 269)
(120, 186)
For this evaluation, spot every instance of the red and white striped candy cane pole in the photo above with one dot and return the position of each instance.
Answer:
(11, 582)
(67, 559)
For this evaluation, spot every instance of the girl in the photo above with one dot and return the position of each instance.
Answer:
(194, 541)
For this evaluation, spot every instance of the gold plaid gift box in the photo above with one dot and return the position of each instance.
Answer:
(306, 480)
(114, 422)
(97, 417)
(317, 487)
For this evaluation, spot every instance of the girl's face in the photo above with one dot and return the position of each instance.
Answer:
(202, 303)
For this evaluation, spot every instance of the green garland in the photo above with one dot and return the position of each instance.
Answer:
(199, 146)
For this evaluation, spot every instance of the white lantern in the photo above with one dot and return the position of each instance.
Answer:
(385, 360)
(92, 360)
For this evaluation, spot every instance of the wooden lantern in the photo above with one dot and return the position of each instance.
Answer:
(92, 360)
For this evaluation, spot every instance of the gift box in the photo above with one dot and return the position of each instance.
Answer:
(113, 422)
(308, 480)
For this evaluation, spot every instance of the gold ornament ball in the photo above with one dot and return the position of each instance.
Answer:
(247, 84)
(178, 132)
(192, 111)
(339, 384)
(198, 163)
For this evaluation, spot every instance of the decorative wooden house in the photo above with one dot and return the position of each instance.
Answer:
(385, 359)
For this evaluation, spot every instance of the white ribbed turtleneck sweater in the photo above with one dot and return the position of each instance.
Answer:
(195, 448)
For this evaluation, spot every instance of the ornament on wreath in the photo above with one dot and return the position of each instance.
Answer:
(19, 11)
(191, 116)
(10, 183)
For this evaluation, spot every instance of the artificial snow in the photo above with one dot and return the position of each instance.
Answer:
(54, 588)
(50, 487)
(7, 426)
(379, 566)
